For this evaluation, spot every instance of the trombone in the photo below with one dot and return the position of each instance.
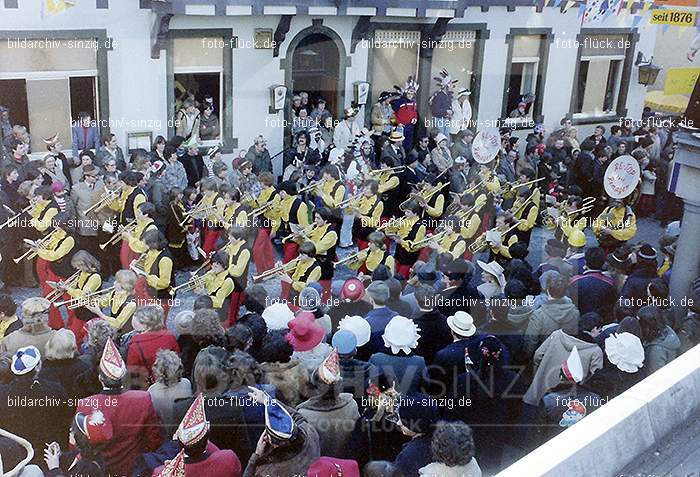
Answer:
(197, 212)
(482, 241)
(87, 299)
(59, 287)
(15, 216)
(346, 203)
(278, 270)
(355, 257)
(426, 240)
(426, 194)
(193, 283)
(313, 185)
(105, 199)
(301, 232)
(39, 244)
(508, 187)
(117, 236)
(395, 169)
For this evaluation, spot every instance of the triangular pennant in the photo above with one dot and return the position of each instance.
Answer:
(194, 425)
(329, 371)
(175, 467)
(111, 363)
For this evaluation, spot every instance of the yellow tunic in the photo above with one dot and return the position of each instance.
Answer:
(285, 207)
(387, 183)
(323, 239)
(165, 270)
(88, 282)
(236, 210)
(115, 301)
(470, 226)
(54, 251)
(404, 230)
(307, 271)
(452, 243)
(136, 243)
(44, 223)
(528, 221)
(365, 208)
(332, 193)
(236, 268)
(214, 200)
(272, 213)
(614, 219)
(218, 287)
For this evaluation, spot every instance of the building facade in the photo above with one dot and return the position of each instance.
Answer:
(130, 62)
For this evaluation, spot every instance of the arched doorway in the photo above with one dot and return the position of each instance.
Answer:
(316, 69)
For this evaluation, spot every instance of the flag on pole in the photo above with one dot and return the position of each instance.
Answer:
(56, 7)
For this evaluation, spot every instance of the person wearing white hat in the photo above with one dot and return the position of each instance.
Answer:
(441, 156)
(402, 367)
(623, 367)
(277, 316)
(461, 113)
(494, 279)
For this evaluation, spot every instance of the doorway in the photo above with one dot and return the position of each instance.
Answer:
(316, 70)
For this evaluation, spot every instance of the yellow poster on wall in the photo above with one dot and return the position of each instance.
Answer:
(673, 17)
(681, 80)
(678, 3)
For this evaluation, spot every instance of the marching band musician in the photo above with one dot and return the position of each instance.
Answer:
(238, 264)
(470, 221)
(214, 204)
(367, 214)
(409, 231)
(332, 189)
(526, 210)
(499, 248)
(571, 218)
(325, 239)
(106, 218)
(218, 284)
(234, 212)
(434, 206)
(176, 233)
(134, 239)
(291, 210)
(44, 211)
(127, 204)
(375, 254)
(389, 189)
(263, 254)
(615, 225)
(119, 302)
(54, 262)
(451, 241)
(89, 281)
(306, 271)
(156, 271)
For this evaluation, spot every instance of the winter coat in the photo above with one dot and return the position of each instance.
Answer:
(20, 338)
(209, 127)
(434, 334)
(261, 162)
(144, 347)
(47, 423)
(405, 371)
(415, 454)
(376, 440)
(549, 358)
(135, 426)
(334, 420)
(67, 373)
(610, 381)
(635, 287)
(174, 176)
(164, 397)
(593, 291)
(661, 350)
(313, 358)
(554, 314)
(291, 380)
(510, 330)
(378, 318)
(356, 375)
(294, 459)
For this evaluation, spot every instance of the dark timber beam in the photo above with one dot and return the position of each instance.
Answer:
(159, 34)
(281, 33)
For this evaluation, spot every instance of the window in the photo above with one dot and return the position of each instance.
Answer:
(198, 68)
(598, 86)
(525, 80)
(46, 88)
(395, 58)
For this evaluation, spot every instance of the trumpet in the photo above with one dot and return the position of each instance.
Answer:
(508, 187)
(262, 209)
(350, 200)
(193, 283)
(310, 187)
(283, 268)
(87, 299)
(105, 199)
(39, 244)
(355, 257)
(393, 170)
(426, 240)
(117, 236)
(390, 225)
(426, 194)
(59, 287)
(482, 241)
(301, 232)
(199, 211)
(15, 216)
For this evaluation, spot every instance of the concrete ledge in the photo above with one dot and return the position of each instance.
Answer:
(606, 441)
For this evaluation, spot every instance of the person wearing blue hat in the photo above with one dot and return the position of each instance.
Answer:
(356, 373)
(289, 444)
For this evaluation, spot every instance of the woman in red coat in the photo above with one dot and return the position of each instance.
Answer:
(153, 337)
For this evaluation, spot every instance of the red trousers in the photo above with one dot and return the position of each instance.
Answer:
(290, 251)
(144, 297)
(361, 244)
(126, 255)
(210, 239)
(237, 298)
(325, 290)
(263, 253)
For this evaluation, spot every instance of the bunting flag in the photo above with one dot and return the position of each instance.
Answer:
(569, 4)
(598, 10)
(581, 10)
(56, 7)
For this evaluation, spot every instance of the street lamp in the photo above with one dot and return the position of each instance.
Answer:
(647, 70)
